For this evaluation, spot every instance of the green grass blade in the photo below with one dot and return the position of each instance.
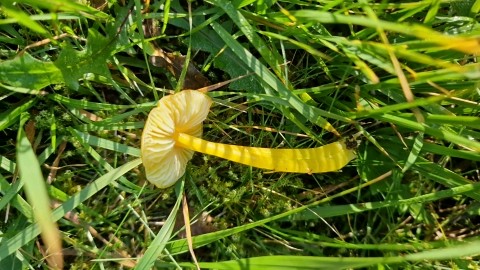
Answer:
(107, 144)
(297, 262)
(89, 105)
(21, 90)
(443, 176)
(307, 262)
(454, 252)
(439, 133)
(339, 210)
(10, 192)
(7, 164)
(10, 116)
(98, 126)
(414, 153)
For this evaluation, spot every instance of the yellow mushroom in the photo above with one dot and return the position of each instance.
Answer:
(172, 134)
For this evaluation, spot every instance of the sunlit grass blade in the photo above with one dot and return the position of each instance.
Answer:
(297, 262)
(23, 18)
(7, 164)
(310, 262)
(454, 252)
(467, 45)
(447, 120)
(34, 186)
(58, 5)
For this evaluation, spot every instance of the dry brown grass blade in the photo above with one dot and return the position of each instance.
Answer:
(42, 42)
(30, 132)
(54, 166)
(221, 84)
(173, 62)
(186, 218)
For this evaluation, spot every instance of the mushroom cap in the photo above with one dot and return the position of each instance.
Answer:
(182, 112)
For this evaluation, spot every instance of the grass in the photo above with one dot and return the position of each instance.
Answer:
(77, 80)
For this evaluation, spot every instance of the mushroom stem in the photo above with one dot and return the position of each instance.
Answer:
(327, 158)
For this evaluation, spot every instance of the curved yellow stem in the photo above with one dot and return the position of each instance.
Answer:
(327, 158)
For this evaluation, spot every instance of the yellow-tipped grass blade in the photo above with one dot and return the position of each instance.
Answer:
(327, 158)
